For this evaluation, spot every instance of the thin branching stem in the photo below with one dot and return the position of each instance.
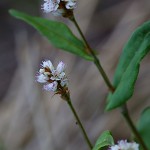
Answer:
(96, 60)
(110, 86)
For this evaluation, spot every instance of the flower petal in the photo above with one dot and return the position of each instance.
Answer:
(61, 67)
(50, 5)
(51, 87)
(64, 82)
(61, 75)
(41, 78)
(48, 64)
(71, 4)
(124, 145)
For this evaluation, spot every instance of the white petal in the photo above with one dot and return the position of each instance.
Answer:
(47, 8)
(69, 0)
(58, 12)
(51, 87)
(61, 75)
(115, 147)
(71, 5)
(41, 78)
(54, 78)
(124, 145)
(46, 73)
(50, 5)
(55, 75)
(60, 67)
(135, 146)
(58, 1)
(42, 70)
(64, 82)
(48, 64)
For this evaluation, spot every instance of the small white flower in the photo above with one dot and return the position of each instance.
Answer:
(53, 6)
(124, 145)
(71, 4)
(51, 86)
(59, 73)
(58, 76)
(115, 147)
(50, 5)
(62, 75)
(42, 70)
(48, 64)
(61, 67)
(41, 78)
(46, 73)
(64, 82)
(51, 77)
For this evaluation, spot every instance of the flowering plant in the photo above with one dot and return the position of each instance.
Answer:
(120, 91)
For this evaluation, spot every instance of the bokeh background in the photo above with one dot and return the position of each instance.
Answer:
(33, 119)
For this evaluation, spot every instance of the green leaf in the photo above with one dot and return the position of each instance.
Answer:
(143, 126)
(56, 32)
(104, 140)
(128, 67)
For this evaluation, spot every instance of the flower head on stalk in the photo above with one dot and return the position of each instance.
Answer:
(54, 80)
(124, 145)
(59, 7)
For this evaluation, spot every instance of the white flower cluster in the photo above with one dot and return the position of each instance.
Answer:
(124, 145)
(52, 78)
(56, 6)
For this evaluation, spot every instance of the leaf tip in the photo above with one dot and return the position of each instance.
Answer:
(12, 12)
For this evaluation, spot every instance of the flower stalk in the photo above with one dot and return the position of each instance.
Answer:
(125, 113)
(91, 52)
(55, 80)
(110, 86)
(68, 100)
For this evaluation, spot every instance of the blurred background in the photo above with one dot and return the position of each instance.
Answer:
(33, 119)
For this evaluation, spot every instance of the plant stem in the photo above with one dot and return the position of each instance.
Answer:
(125, 113)
(110, 86)
(96, 60)
(79, 123)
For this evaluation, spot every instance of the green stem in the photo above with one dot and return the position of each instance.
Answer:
(96, 60)
(79, 122)
(125, 113)
(110, 86)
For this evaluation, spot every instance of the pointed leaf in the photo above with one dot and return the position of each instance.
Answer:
(144, 126)
(104, 140)
(56, 32)
(128, 67)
